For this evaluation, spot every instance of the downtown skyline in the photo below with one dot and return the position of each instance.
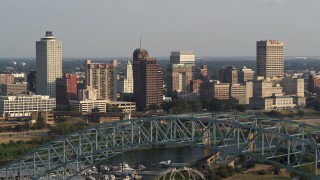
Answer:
(113, 28)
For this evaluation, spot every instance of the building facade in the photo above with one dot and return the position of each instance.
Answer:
(314, 83)
(270, 58)
(293, 86)
(66, 89)
(48, 64)
(31, 81)
(6, 78)
(184, 57)
(214, 89)
(125, 83)
(242, 92)
(102, 77)
(13, 89)
(275, 103)
(22, 106)
(228, 75)
(148, 80)
(179, 77)
(245, 75)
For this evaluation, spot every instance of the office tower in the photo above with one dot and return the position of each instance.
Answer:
(31, 81)
(245, 75)
(266, 88)
(103, 78)
(202, 73)
(13, 89)
(195, 86)
(228, 75)
(270, 58)
(242, 92)
(184, 57)
(214, 89)
(48, 64)
(6, 78)
(125, 83)
(314, 83)
(179, 77)
(66, 89)
(148, 81)
(293, 85)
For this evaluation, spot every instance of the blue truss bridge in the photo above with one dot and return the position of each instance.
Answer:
(284, 143)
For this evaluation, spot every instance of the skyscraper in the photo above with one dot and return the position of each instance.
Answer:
(103, 78)
(179, 77)
(125, 83)
(270, 58)
(48, 64)
(66, 89)
(148, 81)
(184, 57)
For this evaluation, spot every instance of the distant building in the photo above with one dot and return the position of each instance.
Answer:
(124, 105)
(10, 106)
(48, 64)
(245, 75)
(270, 58)
(314, 84)
(202, 73)
(266, 87)
(46, 115)
(148, 80)
(66, 89)
(242, 92)
(13, 89)
(293, 86)
(189, 96)
(276, 103)
(6, 78)
(125, 83)
(86, 106)
(228, 75)
(214, 89)
(179, 77)
(195, 86)
(184, 57)
(102, 77)
(31, 81)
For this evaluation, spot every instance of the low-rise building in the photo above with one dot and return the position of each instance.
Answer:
(242, 92)
(23, 106)
(46, 115)
(86, 106)
(13, 89)
(274, 103)
(124, 105)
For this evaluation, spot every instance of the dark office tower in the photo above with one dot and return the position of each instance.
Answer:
(31, 81)
(270, 58)
(147, 78)
(66, 89)
(228, 75)
(202, 73)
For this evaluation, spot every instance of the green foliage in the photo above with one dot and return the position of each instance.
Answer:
(180, 106)
(223, 105)
(196, 106)
(309, 169)
(41, 122)
(242, 158)
(64, 128)
(153, 107)
(95, 109)
(13, 149)
(167, 106)
(113, 108)
(274, 113)
(262, 172)
(66, 108)
(225, 171)
(300, 113)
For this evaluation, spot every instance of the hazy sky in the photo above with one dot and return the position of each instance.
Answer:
(111, 28)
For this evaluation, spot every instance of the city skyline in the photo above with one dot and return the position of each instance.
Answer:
(208, 28)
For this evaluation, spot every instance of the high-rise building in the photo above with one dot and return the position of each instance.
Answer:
(6, 78)
(314, 83)
(214, 89)
(184, 57)
(245, 74)
(103, 78)
(228, 75)
(266, 87)
(148, 80)
(270, 58)
(66, 89)
(202, 73)
(125, 83)
(48, 64)
(31, 81)
(293, 85)
(179, 77)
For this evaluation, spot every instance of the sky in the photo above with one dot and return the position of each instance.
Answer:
(112, 28)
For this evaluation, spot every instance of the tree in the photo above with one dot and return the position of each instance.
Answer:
(153, 107)
(300, 113)
(167, 106)
(196, 106)
(41, 122)
(95, 109)
(274, 113)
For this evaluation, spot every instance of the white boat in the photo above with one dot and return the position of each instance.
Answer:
(165, 163)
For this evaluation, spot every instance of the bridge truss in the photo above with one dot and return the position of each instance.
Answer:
(285, 143)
